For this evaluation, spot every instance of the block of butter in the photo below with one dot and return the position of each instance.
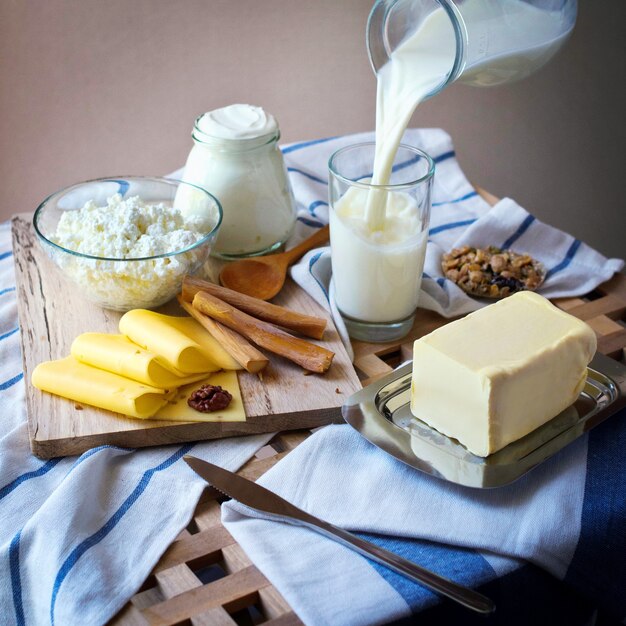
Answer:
(496, 375)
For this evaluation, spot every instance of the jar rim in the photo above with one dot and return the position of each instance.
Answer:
(234, 144)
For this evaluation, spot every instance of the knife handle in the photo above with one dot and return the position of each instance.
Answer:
(463, 595)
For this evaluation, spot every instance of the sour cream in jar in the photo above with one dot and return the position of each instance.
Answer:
(236, 158)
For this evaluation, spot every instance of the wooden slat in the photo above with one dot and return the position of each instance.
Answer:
(180, 579)
(613, 345)
(287, 619)
(610, 306)
(235, 592)
(196, 550)
(274, 605)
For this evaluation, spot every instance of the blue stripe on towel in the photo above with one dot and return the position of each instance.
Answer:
(444, 157)
(16, 583)
(598, 567)
(8, 334)
(464, 566)
(123, 186)
(307, 175)
(15, 483)
(305, 144)
(449, 226)
(311, 223)
(467, 196)
(414, 159)
(86, 455)
(314, 205)
(9, 383)
(312, 262)
(400, 166)
(569, 255)
(523, 227)
(7, 290)
(111, 523)
(5, 255)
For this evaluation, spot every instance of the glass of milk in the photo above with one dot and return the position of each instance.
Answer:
(378, 237)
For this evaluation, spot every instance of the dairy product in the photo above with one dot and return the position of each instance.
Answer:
(181, 342)
(130, 229)
(377, 273)
(237, 121)
(177, 410)
(117, 354)
(77, 381)
(424, 60)
(236, 158)
(494, 376)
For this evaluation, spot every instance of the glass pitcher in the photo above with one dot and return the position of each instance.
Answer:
(490, 42)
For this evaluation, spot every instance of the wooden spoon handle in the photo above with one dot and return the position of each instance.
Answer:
(320, 237)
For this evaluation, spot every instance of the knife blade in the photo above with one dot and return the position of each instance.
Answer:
(257, 497)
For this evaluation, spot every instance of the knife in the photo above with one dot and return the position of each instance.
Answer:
(253, 495)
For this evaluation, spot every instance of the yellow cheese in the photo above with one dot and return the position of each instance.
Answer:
(82, 383)
(117, 354)
(203, 338)
(168, 337)
(179, 411)
(501, 372)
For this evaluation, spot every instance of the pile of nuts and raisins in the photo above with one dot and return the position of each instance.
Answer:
(492, 272)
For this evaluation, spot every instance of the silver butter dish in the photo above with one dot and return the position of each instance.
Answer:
(381, 413)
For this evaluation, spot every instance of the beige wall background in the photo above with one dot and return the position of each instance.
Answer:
(91, 88)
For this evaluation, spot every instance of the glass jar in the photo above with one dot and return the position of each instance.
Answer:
(248, 176)
(490, 42)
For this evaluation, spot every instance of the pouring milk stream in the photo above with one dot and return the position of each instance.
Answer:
(373, 230)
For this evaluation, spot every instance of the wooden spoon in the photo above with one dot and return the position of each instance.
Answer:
(264, 276)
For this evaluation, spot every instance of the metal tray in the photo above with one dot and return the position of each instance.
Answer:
(381, 413)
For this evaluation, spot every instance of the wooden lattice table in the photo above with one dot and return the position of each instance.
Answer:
(206, 578)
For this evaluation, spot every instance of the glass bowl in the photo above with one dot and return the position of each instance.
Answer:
(130, 280)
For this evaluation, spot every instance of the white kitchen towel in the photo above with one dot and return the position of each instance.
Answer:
(79, 535)
(459, 216)
(566, 518)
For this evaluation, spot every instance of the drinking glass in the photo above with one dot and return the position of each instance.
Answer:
(378, 236)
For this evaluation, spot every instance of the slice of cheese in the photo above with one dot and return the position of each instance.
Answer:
(118, 354)
(494, 376)
(208, 343)
(178, 410)
(167, 336)
(77, 381)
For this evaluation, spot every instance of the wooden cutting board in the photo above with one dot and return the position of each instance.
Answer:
(52, 312)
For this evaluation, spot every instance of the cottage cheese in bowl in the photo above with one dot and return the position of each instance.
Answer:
(127, 251)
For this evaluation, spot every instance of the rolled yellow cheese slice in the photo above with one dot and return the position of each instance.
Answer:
(118, 354)
(203, 338)
(76, 381)
(181, 342)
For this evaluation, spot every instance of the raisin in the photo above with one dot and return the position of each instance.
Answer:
(512, 283)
